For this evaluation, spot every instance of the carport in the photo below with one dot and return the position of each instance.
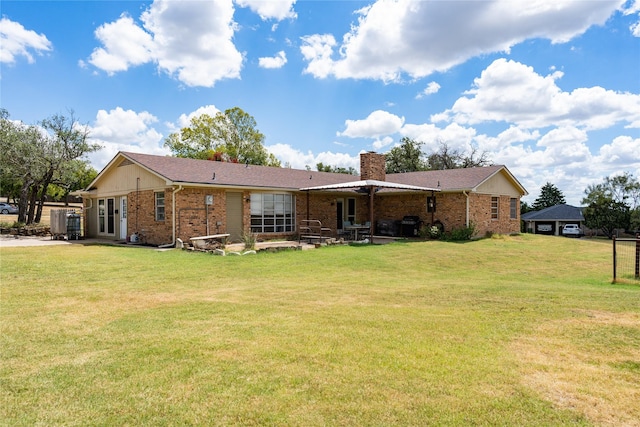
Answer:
(370, 187)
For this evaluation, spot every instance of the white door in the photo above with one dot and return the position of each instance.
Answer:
(123, 218)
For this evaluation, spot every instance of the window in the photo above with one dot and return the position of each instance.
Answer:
(431, 203)
(272, 213)
(513, 208)
(101, 216)
(495, 207)
(351, 210)
(159, 205)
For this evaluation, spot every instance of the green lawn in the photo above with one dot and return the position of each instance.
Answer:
(524, 330)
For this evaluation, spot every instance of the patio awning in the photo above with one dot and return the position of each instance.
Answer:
(369, 183)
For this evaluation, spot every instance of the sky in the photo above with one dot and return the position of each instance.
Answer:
(551, 89)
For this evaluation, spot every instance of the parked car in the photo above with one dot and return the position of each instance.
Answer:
(6, 208)
(572, 230)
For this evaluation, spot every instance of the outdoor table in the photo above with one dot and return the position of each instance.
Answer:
(355, 228)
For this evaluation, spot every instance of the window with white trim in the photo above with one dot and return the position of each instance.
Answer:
(272, 213)
(159, 205)
(495, 207)
(513, 208)
(351, 210)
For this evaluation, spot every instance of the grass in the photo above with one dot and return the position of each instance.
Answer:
(524, 330)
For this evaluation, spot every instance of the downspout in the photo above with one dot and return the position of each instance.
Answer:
(173, 212)
(467, 209)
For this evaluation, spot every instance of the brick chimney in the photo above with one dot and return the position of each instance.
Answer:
(372, 166)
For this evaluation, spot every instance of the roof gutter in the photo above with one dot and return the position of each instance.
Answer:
(467, 209)
(173, 212)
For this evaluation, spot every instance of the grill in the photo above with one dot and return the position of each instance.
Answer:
(410, 225)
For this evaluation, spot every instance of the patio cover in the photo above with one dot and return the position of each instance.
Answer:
(371, 185)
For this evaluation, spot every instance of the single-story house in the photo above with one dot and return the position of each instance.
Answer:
(165, 198)
(551, 220)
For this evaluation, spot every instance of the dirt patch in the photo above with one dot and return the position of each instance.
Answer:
(589, 364)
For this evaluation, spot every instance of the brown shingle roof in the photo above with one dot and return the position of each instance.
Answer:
(181, 170)
(192, 171)
(447, 180)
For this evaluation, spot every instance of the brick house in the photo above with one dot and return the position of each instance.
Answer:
(165, 198)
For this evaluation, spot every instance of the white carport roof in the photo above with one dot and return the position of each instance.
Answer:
(369, 183)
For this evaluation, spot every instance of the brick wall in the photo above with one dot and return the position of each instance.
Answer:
(451, 211)
(142, 217)
(480, 215)
(192, 215)
(372, 166)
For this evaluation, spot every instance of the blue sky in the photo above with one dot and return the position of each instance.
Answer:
(551, 89)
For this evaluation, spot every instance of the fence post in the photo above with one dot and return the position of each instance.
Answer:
(638, 258)
(614, 259)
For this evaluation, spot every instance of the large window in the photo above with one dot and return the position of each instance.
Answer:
(272, 213)
(513, 208)
(495, 207)
(159, 205)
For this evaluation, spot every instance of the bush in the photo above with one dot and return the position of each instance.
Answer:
(249, 239)
(430, 231)
(461, 234)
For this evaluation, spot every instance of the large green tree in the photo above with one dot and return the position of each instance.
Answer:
(231, 135)
(549, 196)
(612, 204)
(406, 157)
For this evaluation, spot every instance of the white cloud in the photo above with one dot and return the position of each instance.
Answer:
(191, 41)
(271, 9)
(17, 41)
(381, 143)
(431, 88)
(277, 61)
(634, 8)
(125, 45)
(300, 160)
(185, 119)
(393, 37)
(623, 151)
(317, 49)
(378, 123)
(508, 91)
(455, 136)
(124, 130)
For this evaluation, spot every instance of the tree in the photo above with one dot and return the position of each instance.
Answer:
(336, 169)
(229, 136)
(74, 175)
(35, 156)
(549, 196)
(612, 204)
(406, 157)
(448, 158)
(525, 207)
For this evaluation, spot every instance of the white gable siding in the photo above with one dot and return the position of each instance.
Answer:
(499, 184)
(123, 179)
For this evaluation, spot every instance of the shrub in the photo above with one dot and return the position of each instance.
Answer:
(249, 239)
(430, 231)
(460, 234)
